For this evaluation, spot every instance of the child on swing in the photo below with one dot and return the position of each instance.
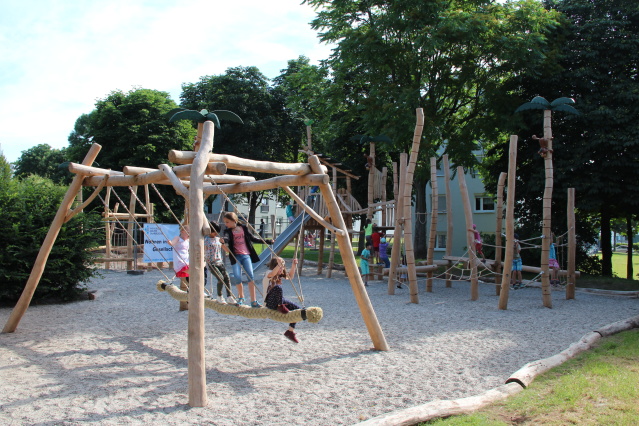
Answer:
(274, 295)
(180, 246)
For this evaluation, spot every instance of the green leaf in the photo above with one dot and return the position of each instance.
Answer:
(562, 101)
(228, 115)
(212, 117)
(566, 108)
(171, 113)
(187, 114)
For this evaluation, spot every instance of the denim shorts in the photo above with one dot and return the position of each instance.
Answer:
(245, 261)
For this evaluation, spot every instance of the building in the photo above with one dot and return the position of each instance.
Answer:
(483, 208)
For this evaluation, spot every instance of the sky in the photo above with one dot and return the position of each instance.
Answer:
(57, 57)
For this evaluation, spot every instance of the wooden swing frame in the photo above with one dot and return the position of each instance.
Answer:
(197, 165)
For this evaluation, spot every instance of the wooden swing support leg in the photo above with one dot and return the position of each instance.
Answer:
(354, 277)
(45, 249)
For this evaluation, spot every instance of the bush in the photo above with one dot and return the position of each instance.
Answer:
(27, 208)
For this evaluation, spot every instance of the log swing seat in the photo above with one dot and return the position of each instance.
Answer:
(312, 314)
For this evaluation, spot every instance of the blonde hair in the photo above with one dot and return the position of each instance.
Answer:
(231, 216)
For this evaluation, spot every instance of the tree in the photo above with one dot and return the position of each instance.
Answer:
(269, 133)
(27, 208)
(42, 160)
(594, 59)
(450, 58)
(133, 130)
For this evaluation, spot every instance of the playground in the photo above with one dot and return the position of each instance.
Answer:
(122, 358)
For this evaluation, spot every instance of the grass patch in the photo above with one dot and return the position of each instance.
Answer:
(598, 387)
(311, 254)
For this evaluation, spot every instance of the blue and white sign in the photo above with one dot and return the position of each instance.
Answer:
(156, 238)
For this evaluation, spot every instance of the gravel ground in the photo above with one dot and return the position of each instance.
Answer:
(121, 359)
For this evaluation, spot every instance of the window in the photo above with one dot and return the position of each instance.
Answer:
(440, 242)
(441, 204)
(264, 206)
(484, 204)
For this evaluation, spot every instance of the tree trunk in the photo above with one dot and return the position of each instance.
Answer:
(606, 247)
(420, 214)
(629, 271)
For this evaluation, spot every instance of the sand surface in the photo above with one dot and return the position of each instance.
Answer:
(121, 359)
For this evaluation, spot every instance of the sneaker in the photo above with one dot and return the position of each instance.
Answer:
(365, 284)
(291, 336)
(255, 304)
(220, 299)
(231, 300)
(240, 301)
(399, 286)
(283, 309)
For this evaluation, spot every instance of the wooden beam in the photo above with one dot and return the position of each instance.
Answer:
(158, 177)
(272, 183)
(510, 224)
(237, 163)
(216, 168)
(81, 169)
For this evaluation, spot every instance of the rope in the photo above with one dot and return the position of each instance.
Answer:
(132, 239)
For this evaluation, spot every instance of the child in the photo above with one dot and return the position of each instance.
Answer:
(479, 245)
(363, 263)
(274, 296)
(552, 263)
(376, 236)
(180, 246)
(239, 241)
(368, 231)
(213, 256)
(383, 252)
(517, 265)
(403, 277)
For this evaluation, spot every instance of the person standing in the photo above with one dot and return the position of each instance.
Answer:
(517, 265)
(289, 212)
(240, 245)
(180, 246)
(215, 263)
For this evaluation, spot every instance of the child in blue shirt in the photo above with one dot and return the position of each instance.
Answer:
(363, 263)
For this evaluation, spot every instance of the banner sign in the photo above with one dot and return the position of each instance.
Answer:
(156, 246)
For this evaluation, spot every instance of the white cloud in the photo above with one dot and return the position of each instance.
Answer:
(59, 57)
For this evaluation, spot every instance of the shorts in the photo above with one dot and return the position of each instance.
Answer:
(517, 265)
(363, 265)
(479, 248)
(183, 273)
(552, 263)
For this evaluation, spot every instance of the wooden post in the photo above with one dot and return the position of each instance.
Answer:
(449, 217)
(198, 227)
(41, 261)
(399, 223)
(547, 214)
(184, 304)
(354, 277)
(384, 177)
(371, 182)
(572, 246)
(108, 229)
(320, 252)
(408, 222)
(510, 224)
(129, 234)
(498, 229)
(433, 222)
(470, 241)
(331, 257)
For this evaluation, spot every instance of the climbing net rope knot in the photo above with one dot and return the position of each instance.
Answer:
(312, 314)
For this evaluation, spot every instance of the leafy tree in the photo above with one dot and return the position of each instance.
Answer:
(27, 208)
(42, 160)
(5, 170)
(594, 60)
(269, 133)
(133, 130)
(451, 58)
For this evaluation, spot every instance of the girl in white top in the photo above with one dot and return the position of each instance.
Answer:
(180, 246)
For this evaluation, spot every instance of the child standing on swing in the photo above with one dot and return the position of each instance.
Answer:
(180, 246)
(274, 295)
(240, 245)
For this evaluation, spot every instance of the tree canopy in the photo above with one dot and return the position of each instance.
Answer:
(595, 60)
(42, 160)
